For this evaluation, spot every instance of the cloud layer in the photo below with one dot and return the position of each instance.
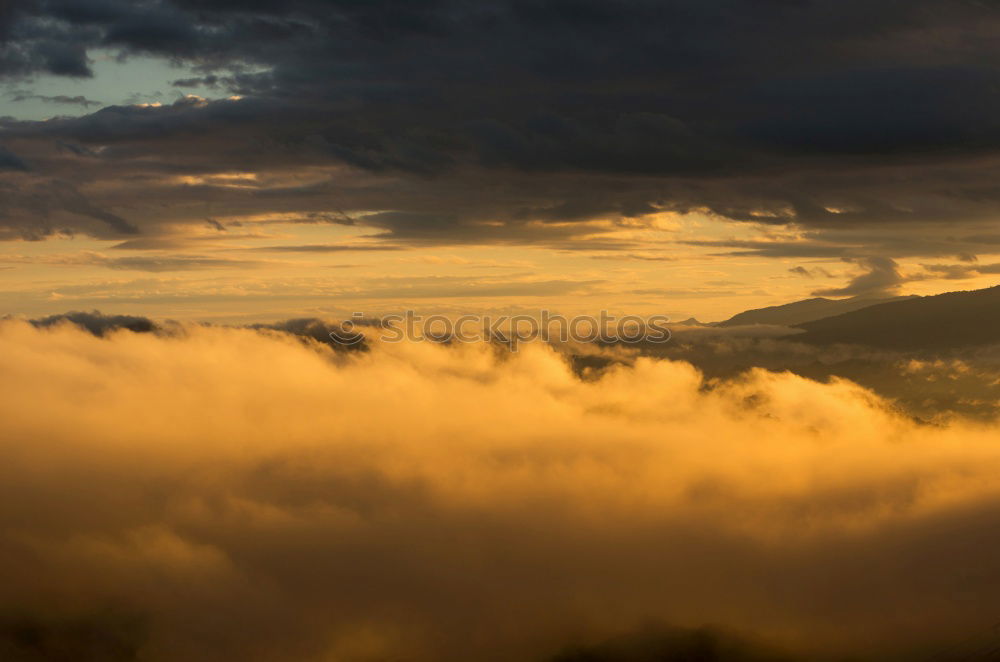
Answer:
(212, 494)
(502, 121)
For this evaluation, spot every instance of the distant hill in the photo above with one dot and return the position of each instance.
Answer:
(798, 312)
(941, 322)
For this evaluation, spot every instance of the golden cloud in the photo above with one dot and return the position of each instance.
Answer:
(246, 495)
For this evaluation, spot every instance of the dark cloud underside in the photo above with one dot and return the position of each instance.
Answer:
(829, 114)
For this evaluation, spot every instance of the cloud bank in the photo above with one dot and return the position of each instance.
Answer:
(521, 121)
(215, 494)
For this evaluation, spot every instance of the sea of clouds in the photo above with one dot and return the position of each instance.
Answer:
(213, 493)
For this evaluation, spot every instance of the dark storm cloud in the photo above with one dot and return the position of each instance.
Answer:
(853, 242)
(842, 114)
(958, 271)
(806, 248)
(36, 207)
(881, 276)
(79, 100)
(197, 81)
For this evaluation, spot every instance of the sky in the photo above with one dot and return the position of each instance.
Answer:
(227, 161)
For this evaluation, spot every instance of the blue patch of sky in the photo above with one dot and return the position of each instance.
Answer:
(116, 81)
